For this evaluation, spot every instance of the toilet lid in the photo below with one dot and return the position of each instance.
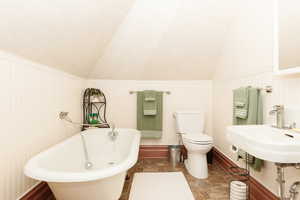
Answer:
(196, 137)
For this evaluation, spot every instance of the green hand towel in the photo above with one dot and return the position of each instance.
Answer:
(150, 95)
(254, 116)
(241, 103)
(254, 109)
(150, 104)
(150, 125)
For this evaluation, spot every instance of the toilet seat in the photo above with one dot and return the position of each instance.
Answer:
(197, 138)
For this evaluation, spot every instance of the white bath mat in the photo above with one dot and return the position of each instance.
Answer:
(160, 186)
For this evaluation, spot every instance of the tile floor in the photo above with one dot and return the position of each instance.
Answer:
(213, 188)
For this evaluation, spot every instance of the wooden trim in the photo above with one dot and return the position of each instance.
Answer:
(154, 151)
(40, 192)
(257, 190)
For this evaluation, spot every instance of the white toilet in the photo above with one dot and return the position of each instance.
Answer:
(190, 125)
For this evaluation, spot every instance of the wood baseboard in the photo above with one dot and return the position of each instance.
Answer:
(257, 190)
(154, 151)
(40, 192)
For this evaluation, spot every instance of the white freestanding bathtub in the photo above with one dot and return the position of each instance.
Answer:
(63, 165)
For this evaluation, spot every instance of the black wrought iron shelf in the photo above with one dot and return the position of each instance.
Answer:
(91, 106)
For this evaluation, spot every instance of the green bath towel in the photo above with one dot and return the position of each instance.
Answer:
(254, 116)
(150, 125)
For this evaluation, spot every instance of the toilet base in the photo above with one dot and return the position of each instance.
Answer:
(196, 165)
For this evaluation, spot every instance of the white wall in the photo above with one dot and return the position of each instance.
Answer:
(289, 30)
(247, 60)
(185, 95)
(31, 97)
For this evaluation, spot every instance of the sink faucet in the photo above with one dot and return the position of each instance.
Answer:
(113, 134)
(279, 111)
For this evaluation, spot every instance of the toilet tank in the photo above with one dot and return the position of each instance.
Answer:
(189, 122)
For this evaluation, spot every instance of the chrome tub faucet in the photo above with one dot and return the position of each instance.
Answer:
(113, 134)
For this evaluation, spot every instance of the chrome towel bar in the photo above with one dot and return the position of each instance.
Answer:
(133, 92)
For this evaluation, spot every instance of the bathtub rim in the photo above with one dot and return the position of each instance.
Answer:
(33, 170)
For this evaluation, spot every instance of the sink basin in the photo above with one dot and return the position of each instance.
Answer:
(266, 143)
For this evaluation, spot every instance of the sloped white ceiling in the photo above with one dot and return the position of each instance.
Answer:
(119, 39)
(169, 39)
(66, 34)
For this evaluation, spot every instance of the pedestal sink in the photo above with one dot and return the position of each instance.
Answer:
(266, 143)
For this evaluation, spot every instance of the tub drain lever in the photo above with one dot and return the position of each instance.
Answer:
(88, 163)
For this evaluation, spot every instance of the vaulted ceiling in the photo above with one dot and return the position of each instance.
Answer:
(119, 39)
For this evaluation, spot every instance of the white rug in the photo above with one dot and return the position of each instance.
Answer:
(160, 186)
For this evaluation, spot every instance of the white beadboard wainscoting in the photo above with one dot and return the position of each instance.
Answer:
(31, 97)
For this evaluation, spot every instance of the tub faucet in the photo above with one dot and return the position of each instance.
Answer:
(113, 134)
(279, 111)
